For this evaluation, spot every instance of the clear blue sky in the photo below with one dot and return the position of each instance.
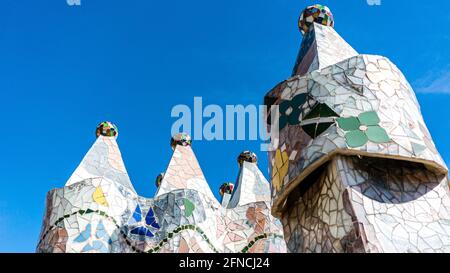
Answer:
(64, 69)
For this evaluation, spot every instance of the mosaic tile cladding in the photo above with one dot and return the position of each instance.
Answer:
(98, 210)
(356, 169)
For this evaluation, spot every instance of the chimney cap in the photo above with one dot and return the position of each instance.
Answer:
(247, 156)
(317, 13)
(107, 129)
(226, 187)
(182, 139)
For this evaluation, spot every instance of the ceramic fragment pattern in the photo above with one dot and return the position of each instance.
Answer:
(97, 213)
(355, 168)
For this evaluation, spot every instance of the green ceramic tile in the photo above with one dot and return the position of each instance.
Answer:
(369, 118)
(283, 107)
(293, 116)
(298, 100)
(377, 134)
(321, 127)
(326, 111)
(320, 110)
(348, 124)
(315, 129)
(355, 138)
(313, 113)
(283, 121)
(310, 129)
(188, 207)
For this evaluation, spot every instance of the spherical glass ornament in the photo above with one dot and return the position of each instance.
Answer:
(226, 188)
(180, 139)
(107, 129)
(319, 14)
(159, 179)
(247, 156)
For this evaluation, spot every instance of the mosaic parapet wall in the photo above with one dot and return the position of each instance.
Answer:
(356, 169)
(99, 211)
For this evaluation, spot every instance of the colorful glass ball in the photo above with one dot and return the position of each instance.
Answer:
(107, 129)
(180, 139)
(226, 188)
(319, 14)
(247, 156)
